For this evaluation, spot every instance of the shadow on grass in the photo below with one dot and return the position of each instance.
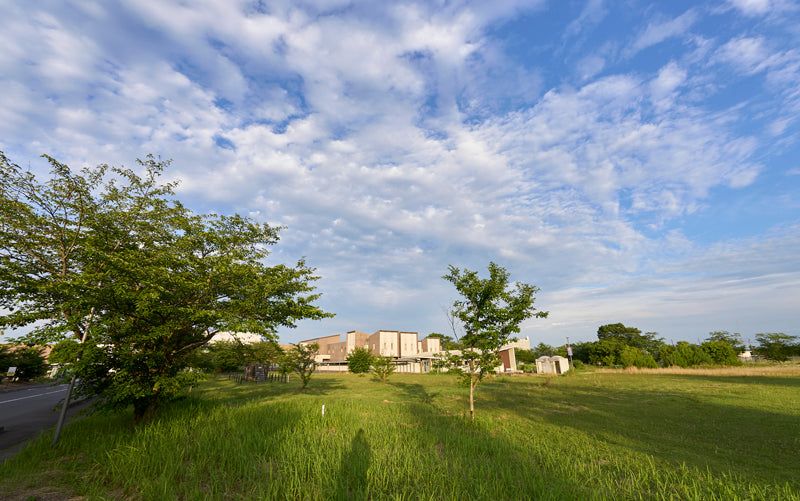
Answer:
(476, 462)
(702, 428)
(787, 381)
(352, 482)
(414, 391)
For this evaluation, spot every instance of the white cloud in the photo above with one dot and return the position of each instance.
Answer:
(752, 7)
(657, 32)
(749, 55)
(394, 141)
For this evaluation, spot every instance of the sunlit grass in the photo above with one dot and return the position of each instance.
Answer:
(584, 436)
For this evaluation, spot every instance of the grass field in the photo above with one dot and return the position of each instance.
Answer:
(591, 435)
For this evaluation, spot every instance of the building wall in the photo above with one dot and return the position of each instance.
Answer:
(244, 337)
(403, 346)
(430, 345)
(407, 344)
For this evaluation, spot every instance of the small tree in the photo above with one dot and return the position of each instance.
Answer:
(359, 360)
(490, 311)
(382, 368)
(301, 360)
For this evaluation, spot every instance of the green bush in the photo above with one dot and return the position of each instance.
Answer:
(360, 360)
(634, 357)
(721, 353)
(684, 355)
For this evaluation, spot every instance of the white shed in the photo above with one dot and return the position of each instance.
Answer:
(552, 365)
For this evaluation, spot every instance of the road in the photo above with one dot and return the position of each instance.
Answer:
(26, 412)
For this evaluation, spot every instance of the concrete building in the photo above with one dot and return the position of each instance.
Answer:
(409, 352)
(552, 365)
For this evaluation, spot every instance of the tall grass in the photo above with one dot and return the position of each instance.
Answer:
(584, 436)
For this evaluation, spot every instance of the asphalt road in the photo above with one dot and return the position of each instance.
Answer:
(25, 412)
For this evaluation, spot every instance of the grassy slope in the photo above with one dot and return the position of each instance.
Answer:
(583, 436)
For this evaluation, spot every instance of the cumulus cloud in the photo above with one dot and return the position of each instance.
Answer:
(395, 140)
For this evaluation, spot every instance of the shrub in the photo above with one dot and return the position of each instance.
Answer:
(360, 360)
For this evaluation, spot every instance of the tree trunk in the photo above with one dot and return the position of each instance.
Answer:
(144, 409)
(471, 401)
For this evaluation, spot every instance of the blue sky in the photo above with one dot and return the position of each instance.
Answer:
(637, 161)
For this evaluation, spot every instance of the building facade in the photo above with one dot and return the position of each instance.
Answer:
(410, 354)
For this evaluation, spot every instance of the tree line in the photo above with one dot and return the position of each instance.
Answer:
(620, 345)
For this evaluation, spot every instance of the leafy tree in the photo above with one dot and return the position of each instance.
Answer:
(721, 352)
(734, 340)
(360, 360)
(525, 356)
(581, 351)
(300, 359)
(630, 336)
(636, 357)
(382, 368)
(776, 345)
(28, 360)
(228, 356)
(264, 352)
(543, 350)
(627, 335)
(684, 354)
(131, 282)
(490, 311)
(606, 351)
(6, 359)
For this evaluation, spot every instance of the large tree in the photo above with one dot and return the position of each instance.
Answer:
(130, 282)
(777, 345)
(490, 311)
(630, 336)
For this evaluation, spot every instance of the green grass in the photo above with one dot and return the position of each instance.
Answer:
(583, 436)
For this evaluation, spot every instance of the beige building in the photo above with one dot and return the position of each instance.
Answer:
(410, 353)
(242, 337)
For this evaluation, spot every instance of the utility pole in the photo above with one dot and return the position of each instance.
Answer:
(569, 351)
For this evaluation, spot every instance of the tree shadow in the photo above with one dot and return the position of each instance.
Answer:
(415, 391)
(755, 379)
(701, 429)
(352, 480)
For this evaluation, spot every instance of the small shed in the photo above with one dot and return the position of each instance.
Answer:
(552, 365)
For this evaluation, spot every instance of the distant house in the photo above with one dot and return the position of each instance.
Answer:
(552, 365)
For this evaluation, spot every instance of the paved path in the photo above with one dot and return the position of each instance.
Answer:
(27, 411)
